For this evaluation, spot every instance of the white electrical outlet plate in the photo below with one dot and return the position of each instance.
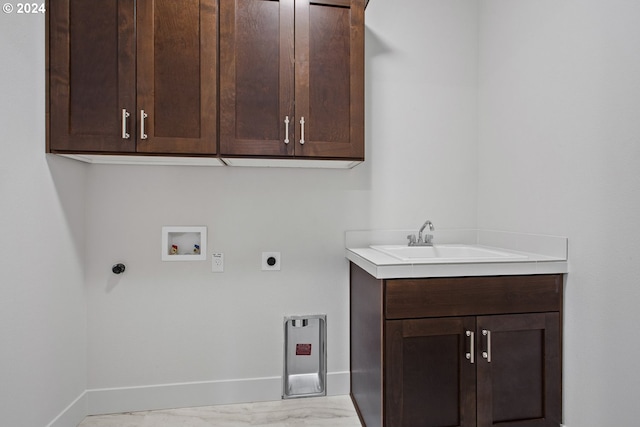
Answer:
(271, 261)
(217, 262)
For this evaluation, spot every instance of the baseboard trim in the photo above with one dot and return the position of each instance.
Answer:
(202, 393)
(182, 395)
(73, 414)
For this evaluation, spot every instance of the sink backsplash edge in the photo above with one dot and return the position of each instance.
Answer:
(555, 247)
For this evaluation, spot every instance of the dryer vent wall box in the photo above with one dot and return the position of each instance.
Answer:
(305, 356)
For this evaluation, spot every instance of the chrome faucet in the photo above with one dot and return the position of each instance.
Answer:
(422, 241)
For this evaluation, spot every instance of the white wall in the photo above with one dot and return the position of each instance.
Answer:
(163, 323)
(559, 146)
(170, 322)
(421, 81)
(42, 298)
(558, 153)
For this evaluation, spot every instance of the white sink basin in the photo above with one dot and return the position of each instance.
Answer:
(447, 253)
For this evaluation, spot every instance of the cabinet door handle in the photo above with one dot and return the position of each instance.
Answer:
(470, 355)
(302, 131)
(286, 130)
(487, 354)
(143, 116)
(125, 116)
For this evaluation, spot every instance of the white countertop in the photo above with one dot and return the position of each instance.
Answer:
(544, 254)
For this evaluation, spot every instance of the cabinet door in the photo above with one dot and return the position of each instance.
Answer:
(176, 81)
(91, 75)
(329, 92)
(519, 378)
(256, 77)
(429, 381)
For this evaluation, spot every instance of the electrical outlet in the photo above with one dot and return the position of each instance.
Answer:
(271, 261)
(217, 262)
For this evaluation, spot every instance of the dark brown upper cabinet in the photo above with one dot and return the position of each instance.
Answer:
(292, 78)
(132, 77)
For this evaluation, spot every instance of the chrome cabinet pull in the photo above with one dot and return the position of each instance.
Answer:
(302, 131)
(286, 130)
(143, 116)
(470, 355)
(487, 354)
(125, 116)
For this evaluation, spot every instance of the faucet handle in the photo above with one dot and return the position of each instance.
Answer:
(412, 239)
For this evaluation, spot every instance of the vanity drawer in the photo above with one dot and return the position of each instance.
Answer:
(471, 296)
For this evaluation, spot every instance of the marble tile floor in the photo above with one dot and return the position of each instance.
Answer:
(334, 411)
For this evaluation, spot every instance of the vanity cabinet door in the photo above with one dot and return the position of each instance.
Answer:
(519, 378)
(429, 381)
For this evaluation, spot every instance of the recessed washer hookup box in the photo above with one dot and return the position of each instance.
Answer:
(305, 356)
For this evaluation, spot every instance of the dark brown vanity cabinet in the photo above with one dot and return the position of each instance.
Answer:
(467, 352)
(292, 78)
(131, 76)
